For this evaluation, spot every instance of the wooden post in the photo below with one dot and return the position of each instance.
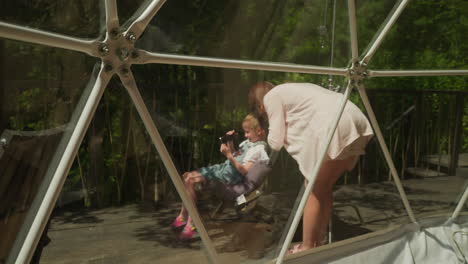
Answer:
(457, 133)
(3, 83)
(96, 171)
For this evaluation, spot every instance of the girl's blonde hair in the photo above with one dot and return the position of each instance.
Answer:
(252, 121)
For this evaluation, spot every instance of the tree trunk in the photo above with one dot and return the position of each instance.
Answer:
(457, 134)
(96, 169)
(3, 119)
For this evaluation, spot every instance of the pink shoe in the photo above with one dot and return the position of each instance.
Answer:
(178, 223)
(188, 233)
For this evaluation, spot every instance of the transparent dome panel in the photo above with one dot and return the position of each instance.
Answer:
(424, 129)
(299, 31)
(371, 17)
(206, 103)
(425, 36)
(363, 207)
(118, 202)
(127, 10)
(41, 91)
(365, 198)
(76, 18)
(193, 107)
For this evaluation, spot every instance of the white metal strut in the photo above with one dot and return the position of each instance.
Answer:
(92, 48)
(30, 35)
(353, 30)
(388, 25)
(38, 214)
(112, 18)
(129, 82)
(140, 24)
(373, 73)
(386, 152)
(151, 57)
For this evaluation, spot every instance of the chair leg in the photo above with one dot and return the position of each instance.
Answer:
(253, 195)
(250, 205)
(219, 209)
(250, 201)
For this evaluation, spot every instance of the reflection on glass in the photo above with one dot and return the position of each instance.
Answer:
(425, 36)
(202, 104)
(76, 18)
(281, 31)
(424, 132)
(129, 10)
(371, 17)
(39, 91)
(193, 107)
(118, 202)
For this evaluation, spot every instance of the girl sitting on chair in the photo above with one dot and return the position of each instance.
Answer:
(231, 171)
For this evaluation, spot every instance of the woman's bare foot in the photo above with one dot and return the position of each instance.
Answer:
(301, 247)
(297, 248)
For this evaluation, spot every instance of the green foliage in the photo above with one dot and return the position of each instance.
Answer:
(190, 105)
(465, 128)
(428, 35)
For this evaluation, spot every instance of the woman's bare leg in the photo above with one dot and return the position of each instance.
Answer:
(319, 205)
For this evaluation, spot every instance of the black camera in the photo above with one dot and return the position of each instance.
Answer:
(234, 138)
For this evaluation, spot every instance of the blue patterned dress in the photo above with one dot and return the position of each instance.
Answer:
(225, 172)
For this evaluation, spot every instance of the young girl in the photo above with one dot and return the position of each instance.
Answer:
(299, 116)
(232, 171)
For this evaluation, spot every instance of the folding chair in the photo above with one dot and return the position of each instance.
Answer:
(244, 195)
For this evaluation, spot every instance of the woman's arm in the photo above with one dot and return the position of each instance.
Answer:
(277, 121)
(241, 168)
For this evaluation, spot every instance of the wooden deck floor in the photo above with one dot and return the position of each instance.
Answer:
(444, 160)
(136, 234)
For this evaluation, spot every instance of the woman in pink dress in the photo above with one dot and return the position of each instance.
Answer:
(299, 116)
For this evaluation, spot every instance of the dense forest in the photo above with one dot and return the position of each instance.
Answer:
(192, 106)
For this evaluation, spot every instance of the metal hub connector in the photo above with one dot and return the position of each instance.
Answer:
(358, 72)
(124, 71)
(115, 33)
(131, 37)
(103, 49)
(108, 67)
(118, 52)
(123, 53)
(134, 54)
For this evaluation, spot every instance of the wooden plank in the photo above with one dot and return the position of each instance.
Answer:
(424, 172)
(445, 160)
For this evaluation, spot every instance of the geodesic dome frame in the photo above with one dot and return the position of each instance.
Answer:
(118, 52)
